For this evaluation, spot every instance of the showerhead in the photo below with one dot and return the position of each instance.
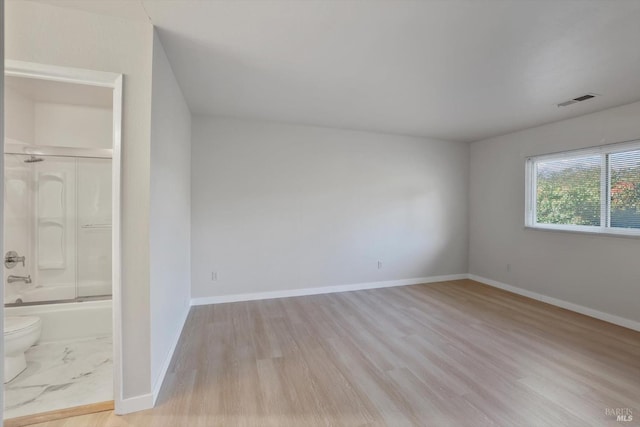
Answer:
(34, 159)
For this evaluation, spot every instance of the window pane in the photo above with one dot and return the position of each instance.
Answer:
(625, 189)
(568, 191)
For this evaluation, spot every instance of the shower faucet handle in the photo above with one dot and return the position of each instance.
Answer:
(11, 259)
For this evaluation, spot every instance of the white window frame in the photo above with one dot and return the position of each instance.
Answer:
(605, 190)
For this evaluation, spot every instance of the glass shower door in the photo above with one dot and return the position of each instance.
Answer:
(40, 218)
(58, 217)
(94, 227)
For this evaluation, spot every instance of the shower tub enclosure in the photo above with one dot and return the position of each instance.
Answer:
(58, 225)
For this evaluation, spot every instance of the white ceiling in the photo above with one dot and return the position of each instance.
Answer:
(456, 70)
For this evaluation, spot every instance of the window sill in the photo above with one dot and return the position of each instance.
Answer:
(633, 234)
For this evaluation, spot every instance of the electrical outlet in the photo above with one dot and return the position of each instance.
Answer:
(508, 268)
(214, 276)
(379, 265)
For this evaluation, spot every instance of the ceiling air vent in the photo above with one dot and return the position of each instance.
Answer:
(578, 99)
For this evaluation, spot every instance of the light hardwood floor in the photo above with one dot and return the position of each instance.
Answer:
(444, 354)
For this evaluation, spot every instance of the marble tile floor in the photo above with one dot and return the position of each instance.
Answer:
(62, 375)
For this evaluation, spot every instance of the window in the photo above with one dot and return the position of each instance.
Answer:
(594, 190)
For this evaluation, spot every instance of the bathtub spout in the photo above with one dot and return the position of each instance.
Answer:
(25, 279)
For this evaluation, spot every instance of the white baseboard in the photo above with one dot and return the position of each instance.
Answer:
(167, 360)
(611, 318)
(323, 290)
(134, 404)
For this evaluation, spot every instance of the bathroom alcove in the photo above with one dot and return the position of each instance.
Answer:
(62, 164)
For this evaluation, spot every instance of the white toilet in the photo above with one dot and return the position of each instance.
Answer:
(20, 333)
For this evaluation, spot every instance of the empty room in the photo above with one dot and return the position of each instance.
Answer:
(297, 213)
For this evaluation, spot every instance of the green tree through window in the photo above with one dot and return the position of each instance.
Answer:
(568, 189)
(625, 189)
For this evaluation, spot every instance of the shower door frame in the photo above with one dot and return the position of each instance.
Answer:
(114, 82)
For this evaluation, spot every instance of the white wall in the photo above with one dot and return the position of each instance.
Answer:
(598, 272)
(52, 35)
(170, 214)
(281, 207)
(66, 125)
(20, 116)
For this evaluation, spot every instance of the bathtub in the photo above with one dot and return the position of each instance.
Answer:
(33, 293)
(70, 320)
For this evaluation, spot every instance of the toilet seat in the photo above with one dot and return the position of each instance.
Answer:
(13, 325)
